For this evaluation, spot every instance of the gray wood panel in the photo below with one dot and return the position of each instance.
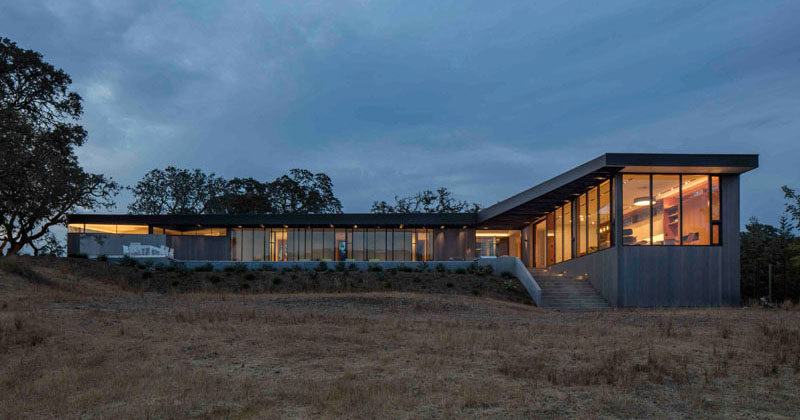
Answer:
(673, 276)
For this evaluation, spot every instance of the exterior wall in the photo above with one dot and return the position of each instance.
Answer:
(96, 244)
(454, 244)
(190, 248)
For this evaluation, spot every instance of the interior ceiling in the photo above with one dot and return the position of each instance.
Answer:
(537, 208)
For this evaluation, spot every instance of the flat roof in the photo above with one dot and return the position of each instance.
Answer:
(536, 202)
(339, 220)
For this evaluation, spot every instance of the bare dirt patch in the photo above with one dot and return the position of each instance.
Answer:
(79, 347)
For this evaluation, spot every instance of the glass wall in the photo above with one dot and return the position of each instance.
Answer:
(604, 216)
(115, 229)
(579, 227)
(592, 216)
(666, 210)
(253, 244)
(676, 209)
(636, 201)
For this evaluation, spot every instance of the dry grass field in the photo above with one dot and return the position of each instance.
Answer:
(79, 342)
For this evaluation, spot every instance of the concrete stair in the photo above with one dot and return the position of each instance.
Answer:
(568, 293)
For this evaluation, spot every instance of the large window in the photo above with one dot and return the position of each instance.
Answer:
(579, 227)
(604, 216)
(671, 209)
(636, 201)
(253, 244)
(115, 229)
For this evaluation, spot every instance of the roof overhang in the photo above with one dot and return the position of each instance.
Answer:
(342, 220)
(536, 202)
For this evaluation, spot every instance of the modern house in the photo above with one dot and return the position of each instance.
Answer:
(643, 229)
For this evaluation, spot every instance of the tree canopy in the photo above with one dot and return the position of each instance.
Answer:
(183, 191)
(40, 177)
(440, 201)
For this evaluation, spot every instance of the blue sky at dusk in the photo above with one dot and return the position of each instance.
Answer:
(486, 98)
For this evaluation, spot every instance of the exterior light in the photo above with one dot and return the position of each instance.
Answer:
(401, 225)
(285, 226)
(355, 226)
(441, 227)
(643, 201)
(551, 234)
(330, 225)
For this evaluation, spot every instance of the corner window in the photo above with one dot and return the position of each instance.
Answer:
(671, 209)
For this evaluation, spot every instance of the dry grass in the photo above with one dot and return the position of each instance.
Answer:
(74, 347)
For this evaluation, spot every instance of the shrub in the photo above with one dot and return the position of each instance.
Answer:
(374, 267)
(488, 269)
(353, 267)
(321, 266)
(102, 258)
(423, 267)
(79, 255)
(127, 261)
(268, 267)
(460, 270)
(180, 268)
(286, 270)
(474, 268)
(144, 265)
(392, 270)
(236, 268)
(440, 268)
(510, 285)
(340, 266)
(160, 267)
(404, 268)
(204, 268)
(506, 275)
(297, 268)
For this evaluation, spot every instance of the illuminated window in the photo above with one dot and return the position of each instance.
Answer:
(636, 201)
(567, 231)
(75, 228)
(604, 216)
(559, 232)
(591, 225)
(666, 210)
(541, 244)
(93, 228)
(716, 212)
(696, 210)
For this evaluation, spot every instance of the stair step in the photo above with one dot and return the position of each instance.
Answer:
(568, 293)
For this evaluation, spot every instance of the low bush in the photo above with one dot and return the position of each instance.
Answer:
(236, 268)
(127, 261)
(440, 268)
(460, 270)
(507, 275)
(404, 268)
(353, 267)
(102, 258)
(268, 267)
(80, 255)
(340, 266)
(321, 266)
(207, 267)
(374, 267)
(392, 270)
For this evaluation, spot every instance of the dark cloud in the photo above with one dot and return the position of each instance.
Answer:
(488, 99)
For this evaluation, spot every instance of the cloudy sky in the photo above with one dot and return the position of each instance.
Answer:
(486, 98)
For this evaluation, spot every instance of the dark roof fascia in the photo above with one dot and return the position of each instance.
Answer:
(541, 189)
(610, 163)
(279, 220)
